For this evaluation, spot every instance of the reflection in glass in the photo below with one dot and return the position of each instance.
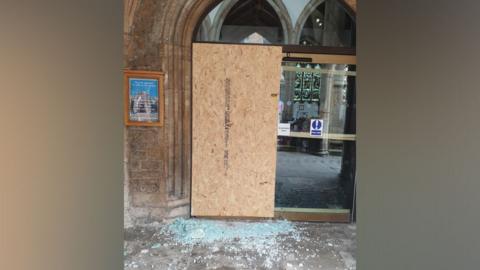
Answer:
(328, 25)
(316, 171)
(279, 22)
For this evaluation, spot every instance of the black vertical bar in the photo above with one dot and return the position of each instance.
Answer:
(349, 147)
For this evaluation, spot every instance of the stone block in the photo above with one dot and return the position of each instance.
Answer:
(152, 165)
(142, 175)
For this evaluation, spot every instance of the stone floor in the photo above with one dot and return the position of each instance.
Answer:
(306, 246)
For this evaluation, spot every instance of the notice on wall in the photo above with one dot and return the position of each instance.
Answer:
(143, 100)
(316, 127)
(283, 129)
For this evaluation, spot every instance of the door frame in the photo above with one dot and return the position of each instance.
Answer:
(327, 55)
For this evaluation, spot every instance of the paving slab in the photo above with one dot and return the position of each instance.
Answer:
(209, 244)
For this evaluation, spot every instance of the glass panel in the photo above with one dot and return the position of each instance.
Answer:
(279, 22)
(316, 142)
(248, 21)
(328, 25)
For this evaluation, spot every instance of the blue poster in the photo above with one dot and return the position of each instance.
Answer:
(144, 96)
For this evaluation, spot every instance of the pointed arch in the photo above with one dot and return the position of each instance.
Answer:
(348, 5)
(226, 6)
(159, 36)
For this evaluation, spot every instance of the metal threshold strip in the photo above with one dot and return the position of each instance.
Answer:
(313, 214)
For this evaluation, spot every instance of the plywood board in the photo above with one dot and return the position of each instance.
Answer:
(235, 99)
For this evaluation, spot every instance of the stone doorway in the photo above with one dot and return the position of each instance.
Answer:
(158, 35)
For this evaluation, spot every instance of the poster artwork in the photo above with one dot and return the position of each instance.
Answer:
(143, 103)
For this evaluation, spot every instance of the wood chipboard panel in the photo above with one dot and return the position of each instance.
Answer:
(234, 104)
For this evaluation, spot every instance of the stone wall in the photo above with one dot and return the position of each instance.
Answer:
(157, 176)
(158, 36)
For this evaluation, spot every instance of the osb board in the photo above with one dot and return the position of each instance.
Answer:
(235, 100)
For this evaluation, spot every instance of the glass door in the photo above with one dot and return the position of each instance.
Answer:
(315, 172)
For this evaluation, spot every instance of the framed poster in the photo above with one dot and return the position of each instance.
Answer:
(144, 99)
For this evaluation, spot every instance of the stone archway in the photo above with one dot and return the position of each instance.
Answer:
(223, 10)
(227, 5)
(309, 8)
(204, 30)
(158, 36)
(350, 6)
